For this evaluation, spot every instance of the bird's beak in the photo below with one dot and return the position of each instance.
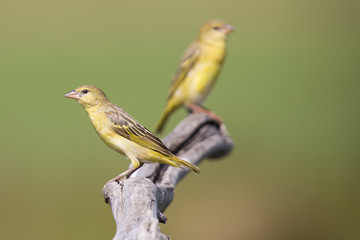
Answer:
(73, 95)
(229, 28)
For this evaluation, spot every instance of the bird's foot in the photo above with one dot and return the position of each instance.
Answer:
(118, 179)
(122, 176)
(199, 109)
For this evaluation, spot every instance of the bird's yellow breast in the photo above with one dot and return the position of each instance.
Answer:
(103, 127)
(200, 81)
(130, 149)
(201, 78)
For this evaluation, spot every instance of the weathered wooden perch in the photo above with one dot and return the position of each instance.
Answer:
(138, 203)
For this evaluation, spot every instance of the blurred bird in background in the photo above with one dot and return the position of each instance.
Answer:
(198, 70)
(123, 133)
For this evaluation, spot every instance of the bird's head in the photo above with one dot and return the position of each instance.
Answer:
(215, 31)
(87, 96)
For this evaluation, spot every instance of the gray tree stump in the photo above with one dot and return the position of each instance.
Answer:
(138, 203)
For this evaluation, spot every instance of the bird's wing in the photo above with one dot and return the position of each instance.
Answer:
(127, 127)
(187, 62)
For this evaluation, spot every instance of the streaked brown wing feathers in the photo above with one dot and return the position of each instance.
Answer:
(127, 127)
(188, 60)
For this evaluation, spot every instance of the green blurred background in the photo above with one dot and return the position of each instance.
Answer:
(288, 94)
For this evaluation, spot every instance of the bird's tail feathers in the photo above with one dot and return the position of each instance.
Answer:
(188, 165)
(164, 116)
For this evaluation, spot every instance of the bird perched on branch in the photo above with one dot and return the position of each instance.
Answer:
(123, 133)
(198, 70)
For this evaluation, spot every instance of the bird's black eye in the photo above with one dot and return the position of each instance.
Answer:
(85, 91)
(216, 28)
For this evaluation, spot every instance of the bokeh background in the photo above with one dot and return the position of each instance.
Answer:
(288, 94)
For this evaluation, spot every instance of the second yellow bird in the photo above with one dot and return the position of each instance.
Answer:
(198, 69)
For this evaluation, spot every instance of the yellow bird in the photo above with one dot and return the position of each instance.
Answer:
(198, 70)
(123, 133)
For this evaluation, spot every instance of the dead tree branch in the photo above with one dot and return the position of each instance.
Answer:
(138, 203)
